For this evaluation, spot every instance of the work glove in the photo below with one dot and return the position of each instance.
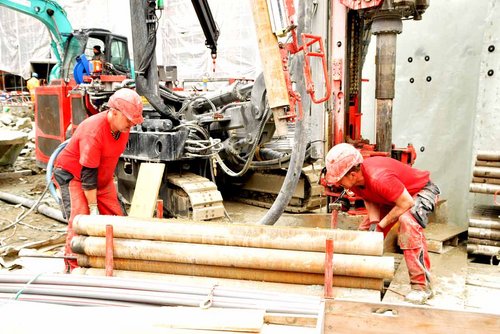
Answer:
(94, 211)
(375, 227)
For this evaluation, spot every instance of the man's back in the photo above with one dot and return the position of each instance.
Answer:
(386, 178)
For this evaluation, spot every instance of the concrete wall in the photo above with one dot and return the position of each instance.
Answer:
(446, 115)
(487, 116)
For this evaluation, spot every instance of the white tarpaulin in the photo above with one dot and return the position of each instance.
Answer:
(180, 38)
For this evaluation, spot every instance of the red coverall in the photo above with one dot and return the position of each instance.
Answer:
(384, 181)
(92, 146)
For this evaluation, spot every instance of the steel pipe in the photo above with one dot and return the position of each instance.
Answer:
(242, 257)
(232, 273)
(139, 286)
(156, 298)
(276, 237)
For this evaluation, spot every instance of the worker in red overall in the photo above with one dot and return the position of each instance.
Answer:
(84, 169)
(392, 192)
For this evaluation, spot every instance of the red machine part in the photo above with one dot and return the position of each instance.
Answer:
(52, 118)
(308, 44)
(59, 109)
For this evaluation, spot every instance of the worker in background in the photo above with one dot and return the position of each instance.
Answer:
(31, 84)
(98, 55)
(84, 169)
(393, 192)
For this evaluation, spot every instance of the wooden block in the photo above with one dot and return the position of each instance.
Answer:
(131, 319)
(439, 235)
(146, 190)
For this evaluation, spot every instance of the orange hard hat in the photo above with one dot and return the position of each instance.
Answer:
(339, 160)
(129, 103)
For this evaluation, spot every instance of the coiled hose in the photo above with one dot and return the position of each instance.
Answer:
(50, 167)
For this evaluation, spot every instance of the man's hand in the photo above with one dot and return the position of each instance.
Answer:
(94, 211)
(375, 227)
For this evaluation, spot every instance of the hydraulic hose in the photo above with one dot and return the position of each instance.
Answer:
(50, 168)
(300, 138)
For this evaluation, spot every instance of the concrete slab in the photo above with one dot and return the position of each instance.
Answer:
(11, 144)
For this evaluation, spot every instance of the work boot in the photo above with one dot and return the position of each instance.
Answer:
(419, 297)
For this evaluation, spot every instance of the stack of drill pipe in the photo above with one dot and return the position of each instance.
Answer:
(484, 233)
(486, 173)
(248, 252)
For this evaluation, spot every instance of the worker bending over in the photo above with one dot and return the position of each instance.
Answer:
(393, 192)
(84, 169)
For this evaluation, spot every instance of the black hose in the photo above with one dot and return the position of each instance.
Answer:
(300, 139)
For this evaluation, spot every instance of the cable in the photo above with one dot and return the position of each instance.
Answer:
(50, 166)
(300, 138)
(25, 286)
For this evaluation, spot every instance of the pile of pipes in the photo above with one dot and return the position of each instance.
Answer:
(235, 251)
(486, 173)
(184, 308)
(484, 231)
(484, 224)
(117, 291)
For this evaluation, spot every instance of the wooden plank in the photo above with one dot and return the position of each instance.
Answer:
(352, 317)
(443, 232)
(146, 190)
(129, 319)
(441, 235)
(270, 56)
(302, 320)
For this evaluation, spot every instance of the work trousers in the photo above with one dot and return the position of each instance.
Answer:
(411, 238)
(74, 202)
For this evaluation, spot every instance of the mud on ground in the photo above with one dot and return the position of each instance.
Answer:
(34, 230)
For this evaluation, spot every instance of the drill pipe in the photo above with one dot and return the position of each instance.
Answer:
(232, 273)
(242, 257)
(276, 237)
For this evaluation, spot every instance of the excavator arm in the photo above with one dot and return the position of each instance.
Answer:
(53, 16)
